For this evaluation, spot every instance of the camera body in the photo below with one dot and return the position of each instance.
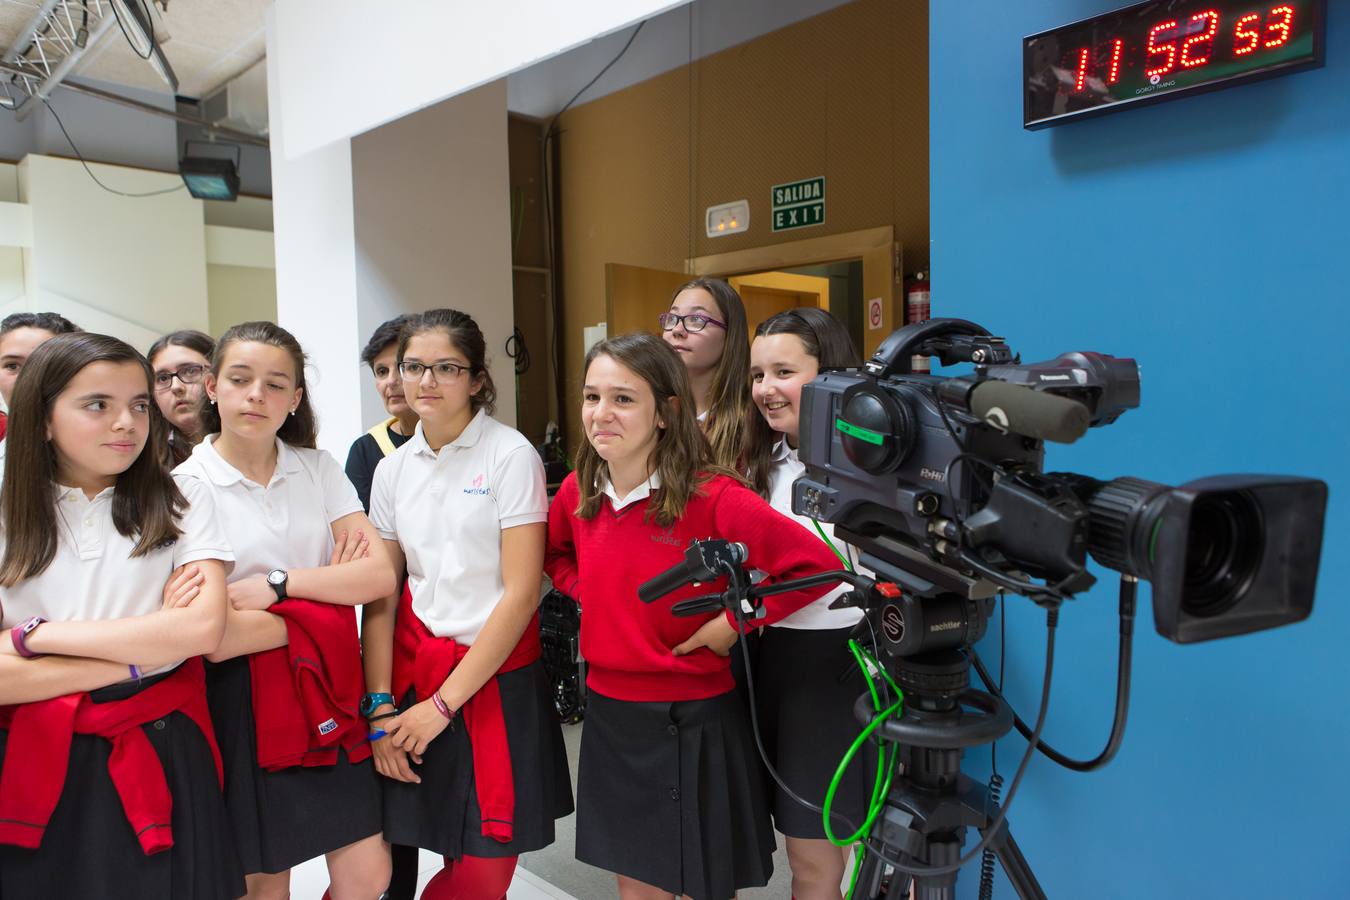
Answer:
(941, 483)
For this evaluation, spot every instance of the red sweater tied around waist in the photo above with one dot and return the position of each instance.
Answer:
(423, 661)
(307, 694)
(37, 756)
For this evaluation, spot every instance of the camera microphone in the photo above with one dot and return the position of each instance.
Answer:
(1024, 411)
(703, 561)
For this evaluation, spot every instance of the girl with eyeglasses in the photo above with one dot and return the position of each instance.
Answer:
(179, 359)
(461, 713)
(285, 690)
(670, 794)
(112, 585)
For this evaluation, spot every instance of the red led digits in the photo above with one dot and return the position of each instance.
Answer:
(1114, 73)
(1281, 28)
(1082, 69)
(1206, 38)
(1241, 34)
(1154, 49)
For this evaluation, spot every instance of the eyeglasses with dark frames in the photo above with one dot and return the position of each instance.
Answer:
(693, 323)
(189, 374)
(441, 371)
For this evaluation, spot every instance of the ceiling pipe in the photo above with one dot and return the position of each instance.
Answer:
(231, 134)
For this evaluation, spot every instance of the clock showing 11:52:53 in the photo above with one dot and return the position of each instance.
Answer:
(1164, 49)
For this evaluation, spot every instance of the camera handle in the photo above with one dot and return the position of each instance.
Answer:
(951, 340)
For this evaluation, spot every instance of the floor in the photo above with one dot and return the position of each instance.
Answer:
(549, 874)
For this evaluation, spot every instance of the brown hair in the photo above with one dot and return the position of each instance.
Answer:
(681, 457)
(146, 502)
(180, 442)
(825, 339)
(300, 429)
(467, 338)
(729, 403)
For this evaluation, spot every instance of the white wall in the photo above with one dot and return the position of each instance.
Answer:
(421, 52)
(316, 267)
(433, 225)
(131, 266)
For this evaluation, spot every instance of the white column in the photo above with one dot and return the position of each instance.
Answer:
(316, 266)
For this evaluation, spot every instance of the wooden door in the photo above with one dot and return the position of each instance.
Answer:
(768, 293)
(635, 296)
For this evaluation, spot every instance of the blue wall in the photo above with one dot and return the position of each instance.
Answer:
(1209, 238)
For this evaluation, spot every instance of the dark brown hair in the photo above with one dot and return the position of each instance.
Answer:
(681, 456)
(729, 403)
(300, 429)
(386, 335)
(46, 321)
(467, 338)
(181, 442)
(146, 502)
(825, 339)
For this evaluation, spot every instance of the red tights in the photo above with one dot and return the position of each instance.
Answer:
(469, 878)
(472, 878)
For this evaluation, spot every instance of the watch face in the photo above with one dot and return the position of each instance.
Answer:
(276, 576)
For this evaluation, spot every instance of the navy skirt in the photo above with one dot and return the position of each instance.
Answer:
(805, 684)
(280, 819)
(442, 815)
(89, 848)
(671, 794)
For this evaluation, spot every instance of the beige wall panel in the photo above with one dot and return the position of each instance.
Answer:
(240, 294)
(843, 95)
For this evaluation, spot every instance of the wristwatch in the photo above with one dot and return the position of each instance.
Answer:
(277, 579)
(371, 702)
(20, 632)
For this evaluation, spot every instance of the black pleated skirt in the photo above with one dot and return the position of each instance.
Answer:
(280, 819)
(442, 815)
(89, 848)
(806, 719)
(670, 794)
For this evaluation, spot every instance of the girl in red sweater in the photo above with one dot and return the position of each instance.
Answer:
(670, 796)
(109, 770)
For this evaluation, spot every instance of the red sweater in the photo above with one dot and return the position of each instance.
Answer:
(306, 695)
(601, 561)
(38, 754)
(424, 661)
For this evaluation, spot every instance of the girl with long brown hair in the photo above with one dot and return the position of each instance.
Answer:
(112, 584)
(300, 781)
(472, 755)
(706, 326)
(670, 796)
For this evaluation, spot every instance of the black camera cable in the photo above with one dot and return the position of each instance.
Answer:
(1051, 624)
(996, 826)
(1128, 589)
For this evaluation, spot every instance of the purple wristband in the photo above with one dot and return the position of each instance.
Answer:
(19, 634)
(135, 672)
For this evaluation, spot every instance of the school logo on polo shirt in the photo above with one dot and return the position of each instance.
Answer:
(329, 726)
(477, 487)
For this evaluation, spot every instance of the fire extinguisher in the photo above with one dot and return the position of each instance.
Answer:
(918, 308)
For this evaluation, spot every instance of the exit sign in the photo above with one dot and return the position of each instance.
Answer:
(797, 204)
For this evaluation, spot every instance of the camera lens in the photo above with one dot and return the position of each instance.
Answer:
(1223, 552)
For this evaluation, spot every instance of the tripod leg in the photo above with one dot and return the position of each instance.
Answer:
(938, 887)
(1015, 866)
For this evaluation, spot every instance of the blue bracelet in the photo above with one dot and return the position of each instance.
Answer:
(376, 735)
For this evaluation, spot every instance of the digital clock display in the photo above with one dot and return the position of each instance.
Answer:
(1164, 49)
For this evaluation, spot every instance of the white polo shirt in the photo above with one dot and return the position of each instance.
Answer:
(94, 576)
(286, 524)
(785, 468)
(447, 511)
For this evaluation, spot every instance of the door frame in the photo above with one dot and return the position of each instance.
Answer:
(880, 253)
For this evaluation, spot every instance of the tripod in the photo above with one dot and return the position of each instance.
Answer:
(931, 803)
